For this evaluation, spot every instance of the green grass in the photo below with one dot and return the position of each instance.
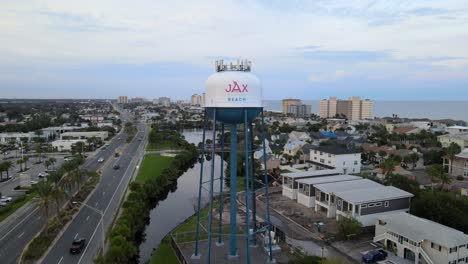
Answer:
(285, 171)
(15, 204)
(162, 145)
(164, 254)
(152, 166)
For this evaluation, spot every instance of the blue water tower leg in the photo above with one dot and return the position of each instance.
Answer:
(247, 183)
(210, 213)
(252, 181)
(233, 193)
(221, 185)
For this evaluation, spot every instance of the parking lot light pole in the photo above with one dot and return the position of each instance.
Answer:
(102, 220)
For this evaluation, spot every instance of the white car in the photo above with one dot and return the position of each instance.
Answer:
(33, 182)
(100, 160)
(5, 199)
(67, 159)
(43, 174)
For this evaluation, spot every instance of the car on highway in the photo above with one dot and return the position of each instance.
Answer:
(116, 166)
(373, 256)
(6, 199)
(43, 174)
(77, 246)
(100, 160)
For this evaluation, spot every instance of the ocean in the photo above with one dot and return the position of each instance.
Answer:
(457, 110)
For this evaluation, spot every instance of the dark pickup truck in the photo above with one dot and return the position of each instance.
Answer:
(374, 256)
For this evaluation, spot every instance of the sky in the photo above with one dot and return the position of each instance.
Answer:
(383, 50)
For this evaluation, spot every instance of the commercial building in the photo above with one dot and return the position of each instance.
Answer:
(290, 185)
(459, 139)
(122, 99)
(289, 102)
(354, 108)
(18, 137)
(363, 200)
(137, 100)
(345, 160)
(85, 135)
(420, 240)
(65, 145)
(459, 166)
(306, 188)
(163, 101)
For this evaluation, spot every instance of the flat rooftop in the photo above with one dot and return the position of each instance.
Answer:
(336, 187)
(311, 173)
(328, 179)
(373, 194)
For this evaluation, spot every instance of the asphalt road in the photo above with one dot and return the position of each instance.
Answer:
(106, 199)
(14, 235)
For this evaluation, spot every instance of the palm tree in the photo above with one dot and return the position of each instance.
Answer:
(77, 176)
(44, 191)
(7, 165)
(57, 194)
(47, 164)
(39, 153)
(388, 166)
(452, 150)
(52, 162)
(437, 173)
(2, 169)
(20, 163)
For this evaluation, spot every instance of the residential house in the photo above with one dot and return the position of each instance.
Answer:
(306, 188)
(367, 205)
(459, 166)
(406, 130)
(292, 147)
(325, 199)
(298, 136)
(459, 139)
(290, 185)
(420, 240)
(347, 161)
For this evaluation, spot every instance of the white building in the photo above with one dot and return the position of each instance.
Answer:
(347, 161)
(353, 108)
(456, 130)
(65, 145)
(196, 100)
(16, 137)
(122, 99)
(306, 189)
(290, 185)
(420, 240)
(85, 135)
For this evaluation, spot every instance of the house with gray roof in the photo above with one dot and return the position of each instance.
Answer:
(420, 240)
(290, 184)
(366, 205)
(306, 188)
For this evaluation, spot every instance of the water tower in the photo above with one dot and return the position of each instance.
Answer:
(233, 100)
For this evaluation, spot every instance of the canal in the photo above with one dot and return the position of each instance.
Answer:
(179, 205)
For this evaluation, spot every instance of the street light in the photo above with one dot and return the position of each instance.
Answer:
(102, 219)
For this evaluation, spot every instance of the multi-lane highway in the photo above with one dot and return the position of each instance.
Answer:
(105, 200)
(16, 232)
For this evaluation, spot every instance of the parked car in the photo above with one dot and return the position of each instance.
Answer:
(42, 174)
(6, 199)
(67, 159)
(116, 166)
(77, 246)
(2, 204)
(100, 160)
(33, 182)
(374, 256)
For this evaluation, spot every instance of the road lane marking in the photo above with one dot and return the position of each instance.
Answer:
(103, 193)
(76, 236)
(60, 261)
(21, 235)
(18, 224)
(87, 218)
(96, 204)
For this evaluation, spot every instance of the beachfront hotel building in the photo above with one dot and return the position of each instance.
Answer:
(353, 108)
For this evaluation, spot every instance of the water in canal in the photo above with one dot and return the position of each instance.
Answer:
(178, 205)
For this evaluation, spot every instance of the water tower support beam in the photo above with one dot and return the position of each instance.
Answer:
(210, 215)
(196, 254)
(247, 183)
(233, 194)
(221, 183)
(267, 195)
(252, 181)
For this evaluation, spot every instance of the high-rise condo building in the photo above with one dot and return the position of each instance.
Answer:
(122, 99)
(196, 100)
(288, 102)
(354, 108)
